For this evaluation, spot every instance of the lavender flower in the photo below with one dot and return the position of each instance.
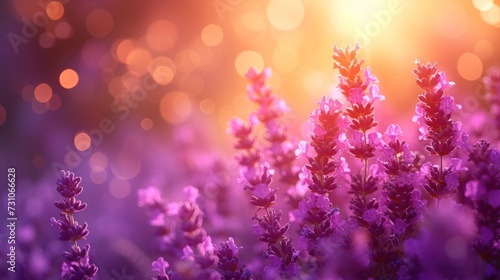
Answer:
(268, 227)
(402, 202)
(160, 214)
(76, 263)
(484, 192)
(270, 110)
(362, 93)
(325, 171)
(229, 264)
(198, 254)
(445, 135)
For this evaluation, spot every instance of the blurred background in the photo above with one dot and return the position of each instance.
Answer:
(129, 94)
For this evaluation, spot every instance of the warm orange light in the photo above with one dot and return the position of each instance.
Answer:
(68, 78)
(138, 61)
(469, 66)
(212, 35)
(175, 107)
(285, 14)
(123, 48)
(82, 141)
(55, 10)
(247, 59)
(161, 35)
(43, 93)
(162, 69)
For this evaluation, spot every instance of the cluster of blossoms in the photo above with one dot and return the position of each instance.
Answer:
(187, 242)
(391, 233)
(76, 263)
(256, 176)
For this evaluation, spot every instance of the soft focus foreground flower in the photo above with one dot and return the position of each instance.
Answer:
(484, 191)
(76, 264)
(270, 111)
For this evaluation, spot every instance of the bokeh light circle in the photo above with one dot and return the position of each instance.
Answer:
(99, 23)
(119, 188)
(175, 107)
(162, 69)
(483, 5)
(43, 93)
(82, 141)
(469, 66)
(138, 61)
(146, 123)
(54, 10)
(212, 35)
(285, 14)
(68, 78)
(207, 106)
(247, 59)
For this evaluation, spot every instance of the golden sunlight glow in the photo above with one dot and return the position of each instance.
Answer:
(242, 104)
(162, 69)
(483, 5)
(285, 57)
(247, 59)
(99, 23)
(469, 66)
(492, 16)
(285, 14)
(43, 93)
(82, 141)
(175, 107)
(68, 78)
(451, 21)
(55, 10)
(212, 35)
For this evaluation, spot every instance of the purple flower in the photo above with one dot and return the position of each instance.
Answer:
(149, 197)
(229, 264)
(76, 264)
(69, 185)
(371, 216)
(159, 266)
(393, 132)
